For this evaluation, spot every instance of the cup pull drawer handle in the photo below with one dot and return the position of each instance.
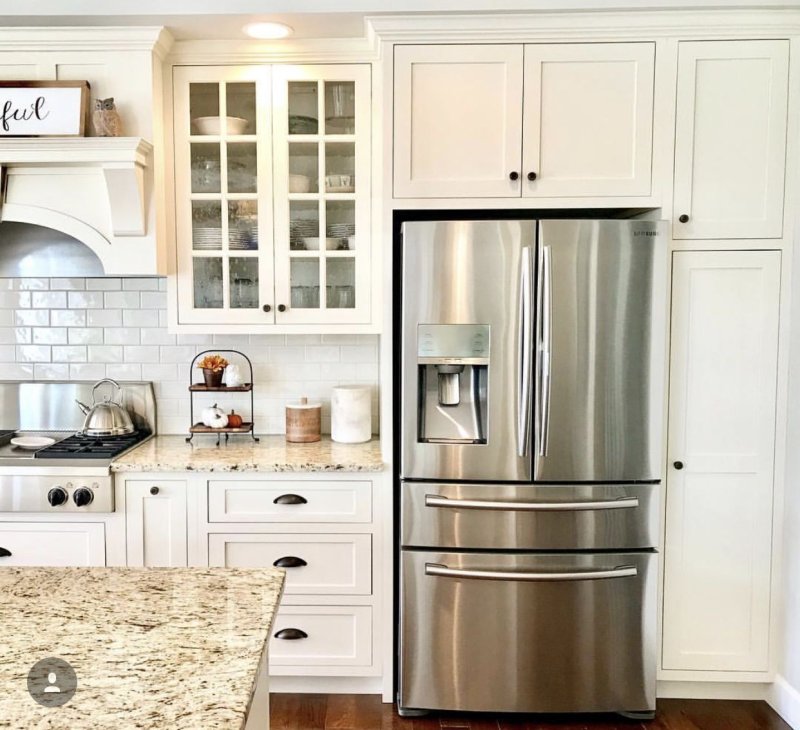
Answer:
(290, 499)
(291, 634)
(432, 500)
(289, 561)
(442, 571)
(4, 553)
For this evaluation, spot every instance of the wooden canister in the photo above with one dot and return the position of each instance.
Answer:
(303, 422)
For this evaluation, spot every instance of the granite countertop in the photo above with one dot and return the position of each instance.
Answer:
(151, 647)
(242, 454)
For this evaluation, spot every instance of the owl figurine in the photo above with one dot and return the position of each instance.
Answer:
(105, 118)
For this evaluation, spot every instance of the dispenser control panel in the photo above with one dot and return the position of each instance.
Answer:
(465, 344)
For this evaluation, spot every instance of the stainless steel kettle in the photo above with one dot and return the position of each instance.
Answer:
(108, 418)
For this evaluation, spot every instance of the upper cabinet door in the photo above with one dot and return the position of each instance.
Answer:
(588, 120)
(457, 121)
(730, 139)
(222, 194)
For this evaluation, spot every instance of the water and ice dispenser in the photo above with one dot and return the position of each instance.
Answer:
(453, 372)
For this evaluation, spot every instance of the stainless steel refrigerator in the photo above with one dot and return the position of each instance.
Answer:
(531, 416)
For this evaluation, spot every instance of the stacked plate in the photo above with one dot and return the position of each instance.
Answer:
(206, 239)
(299, 230)
(341, 230)
(243, 238)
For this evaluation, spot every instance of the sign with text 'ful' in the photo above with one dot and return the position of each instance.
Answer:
(43, 108)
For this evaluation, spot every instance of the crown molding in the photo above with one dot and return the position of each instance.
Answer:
(86, 38)
(593, 25)
(72, 151)
(328, 50)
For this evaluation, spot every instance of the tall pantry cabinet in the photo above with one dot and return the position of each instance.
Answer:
(730, 158)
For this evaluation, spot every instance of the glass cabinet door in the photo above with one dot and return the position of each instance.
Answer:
(321, 148)
(223, 191)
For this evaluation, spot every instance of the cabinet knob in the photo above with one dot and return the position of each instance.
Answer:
(531, 176)
(290, 561)
(4, 553)
(153, 490)
(683, 218)
(267, 308)
(290, 499)
(291, 634)
(281, 307)
(678, 465)
(513, 175)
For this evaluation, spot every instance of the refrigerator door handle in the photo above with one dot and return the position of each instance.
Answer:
(525, 317)
(432, 500)
(545, 346)
(442, 571)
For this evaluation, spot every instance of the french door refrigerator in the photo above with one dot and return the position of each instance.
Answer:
(530, 458)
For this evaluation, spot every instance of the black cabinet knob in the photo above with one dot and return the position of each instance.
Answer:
(153, 490)
(290, 499)
(678, 465)
(531, 176)
(4, 553)
(290, 561)
(683, 218)
(513, 175)
(291, 634)
(281, 307)
(267, 308)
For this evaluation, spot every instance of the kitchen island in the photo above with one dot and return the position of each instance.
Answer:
(150, 648)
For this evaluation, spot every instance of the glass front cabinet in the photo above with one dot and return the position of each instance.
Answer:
(272, 180)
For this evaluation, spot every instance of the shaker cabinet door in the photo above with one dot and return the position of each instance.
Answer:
(721, 460)
(588, 119)
(457, 121)
(155, 516)
(730, 139)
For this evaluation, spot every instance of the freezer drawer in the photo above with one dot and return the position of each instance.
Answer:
(524, 517)
(528, 632)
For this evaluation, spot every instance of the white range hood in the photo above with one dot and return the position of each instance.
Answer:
(92, 190)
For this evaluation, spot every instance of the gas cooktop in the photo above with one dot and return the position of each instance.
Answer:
(79, 446)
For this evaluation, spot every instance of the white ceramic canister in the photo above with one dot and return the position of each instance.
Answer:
(351, 414)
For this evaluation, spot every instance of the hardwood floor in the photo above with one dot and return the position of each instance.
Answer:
(367, 712)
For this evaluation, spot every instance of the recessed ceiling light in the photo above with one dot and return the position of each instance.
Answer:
(268, 31)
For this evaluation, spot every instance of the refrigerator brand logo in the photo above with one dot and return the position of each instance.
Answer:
(645, 233)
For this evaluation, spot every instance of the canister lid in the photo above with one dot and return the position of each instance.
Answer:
(304, 404)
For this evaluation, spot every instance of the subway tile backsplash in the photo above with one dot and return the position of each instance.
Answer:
(87, 329)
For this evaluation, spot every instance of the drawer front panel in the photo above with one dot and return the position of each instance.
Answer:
(52, 544)
(288, 501)
(334, 564)
(522, 517)
(334, 636)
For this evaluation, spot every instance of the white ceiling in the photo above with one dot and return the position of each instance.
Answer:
(223, 19)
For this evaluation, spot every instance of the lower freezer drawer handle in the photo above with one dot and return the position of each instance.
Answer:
(442, 571)
(435, 501)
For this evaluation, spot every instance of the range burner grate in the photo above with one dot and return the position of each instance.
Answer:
(79, 446)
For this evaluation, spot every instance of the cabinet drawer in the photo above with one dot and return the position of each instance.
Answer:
(52, 544)
(288, 501)
(331, 636)
(338, 564)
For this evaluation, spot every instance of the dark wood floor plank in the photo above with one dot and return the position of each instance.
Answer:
(367, 712)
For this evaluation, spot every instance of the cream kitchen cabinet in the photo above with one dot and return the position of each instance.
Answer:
(721, 446)
(537, 121)
(52, 544)
(155, 523)
(730, 139)
(273, 206)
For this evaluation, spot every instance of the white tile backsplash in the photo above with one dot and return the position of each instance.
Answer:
(87, 329)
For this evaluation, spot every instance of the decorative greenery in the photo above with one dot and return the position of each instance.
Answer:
(215, 363)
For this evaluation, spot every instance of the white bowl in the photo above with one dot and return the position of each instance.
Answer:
(299, 184)
(212, 125)
(312, 244)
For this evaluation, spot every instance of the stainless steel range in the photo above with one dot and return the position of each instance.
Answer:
(71, 474)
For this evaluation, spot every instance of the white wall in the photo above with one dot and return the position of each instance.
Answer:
(87, 329)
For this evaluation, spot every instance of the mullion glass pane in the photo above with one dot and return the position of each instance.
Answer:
(240, 103)
(242, 162)
(242, 225)
(243, 282)
(304, 283)
(207, 280)
(340, 98)
(303, 108)
(341, 283)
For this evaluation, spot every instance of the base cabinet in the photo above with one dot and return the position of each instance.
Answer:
(724, 349)
(155, 522)
(53, 544)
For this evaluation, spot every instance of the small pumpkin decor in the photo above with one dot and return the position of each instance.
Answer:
(213, 367)
(234, 420)
(214, 417)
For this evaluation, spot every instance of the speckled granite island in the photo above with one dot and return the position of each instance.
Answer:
(270, 454)
(151, 648)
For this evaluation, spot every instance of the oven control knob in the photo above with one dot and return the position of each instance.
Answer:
(57, 496)
(83, 496)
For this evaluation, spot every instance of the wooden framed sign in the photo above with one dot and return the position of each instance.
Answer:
(43, 108)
